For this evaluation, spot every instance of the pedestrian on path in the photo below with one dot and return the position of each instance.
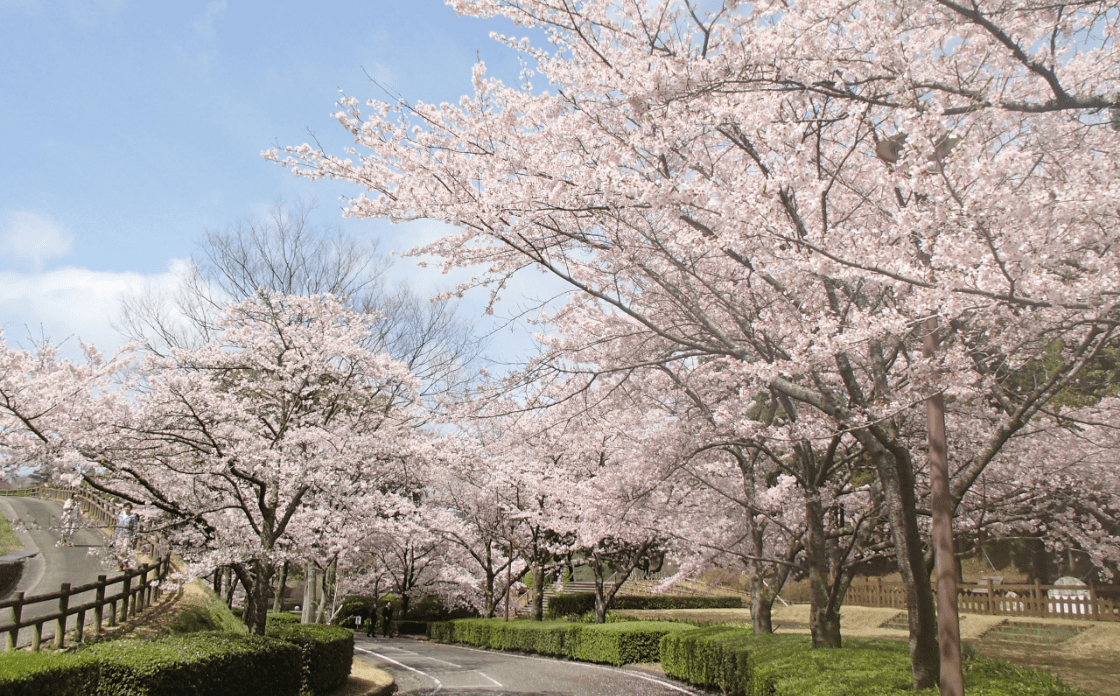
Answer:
(128, 526)
(71, 514)
(387, 618)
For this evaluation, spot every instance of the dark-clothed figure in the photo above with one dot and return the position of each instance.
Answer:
(387, 618)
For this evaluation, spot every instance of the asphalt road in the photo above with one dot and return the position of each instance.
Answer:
(429, 668)
(36, 523)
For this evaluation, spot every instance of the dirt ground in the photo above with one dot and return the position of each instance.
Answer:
(1088, 661)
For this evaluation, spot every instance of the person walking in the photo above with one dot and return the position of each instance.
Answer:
(71, 514)
(128, 527)
(387, 618)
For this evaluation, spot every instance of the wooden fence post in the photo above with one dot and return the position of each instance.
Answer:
(63, 605)
(992, 606)
(1040, 605)
(1094, 610)
(36, 636)
(98, 611)
(124, 598)
(17, 612)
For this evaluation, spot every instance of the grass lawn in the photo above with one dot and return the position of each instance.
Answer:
(8, 541)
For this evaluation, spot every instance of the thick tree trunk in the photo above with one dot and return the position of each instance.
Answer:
(824, 615)
(538, 592)
(256, 576)
(762, 608)
(898, 486)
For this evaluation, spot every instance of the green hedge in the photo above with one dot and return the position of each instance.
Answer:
(676, 602)
(327, 653)
(47, 674)
(583, 602)
(412, 628)
(615, 644)
(275, 618)
(197, 664)
(570, 604)
(623, 643)
(742, 664)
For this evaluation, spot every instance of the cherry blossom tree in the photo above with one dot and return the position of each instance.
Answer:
(798, 194)
(243, 449)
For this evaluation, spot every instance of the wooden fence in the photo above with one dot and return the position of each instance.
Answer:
(139, 587)
(132, 598)
(1036, 600)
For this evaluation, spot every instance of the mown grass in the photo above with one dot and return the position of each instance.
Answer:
(8, 541)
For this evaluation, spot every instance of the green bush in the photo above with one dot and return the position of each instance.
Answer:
(47, 674)
(742, 664)
(616, 644)
(327, 653)
(622, 643)
(354, 605)
(412, 628)
(570, 604)
(197, 664)
(275, 618)
(676, 602)
(584, 602)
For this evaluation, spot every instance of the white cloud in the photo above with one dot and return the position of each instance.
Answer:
(71, 304)
(204, 25)
(30, 238)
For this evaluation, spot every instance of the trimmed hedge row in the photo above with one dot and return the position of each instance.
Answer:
(583, 602)
(326, 653)
(197, 664)
(307, 660)
(614, 644)
(210, 663)
(46, 674)
(742, 664)
(274, 618)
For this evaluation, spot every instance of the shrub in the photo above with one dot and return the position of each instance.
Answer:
(275, 618)
(676, 602)
(584, 602)
(412, 628)
(46, 674)
(197, 664)
(327, 653)
(622, 643)
(617, 644)
(354, 605)
(570, 604)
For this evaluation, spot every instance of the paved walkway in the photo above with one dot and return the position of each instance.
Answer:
(36, 524)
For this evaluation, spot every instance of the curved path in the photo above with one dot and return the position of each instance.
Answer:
(36, 523)
(429, 668)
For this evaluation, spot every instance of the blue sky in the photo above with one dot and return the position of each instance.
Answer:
(131, 127)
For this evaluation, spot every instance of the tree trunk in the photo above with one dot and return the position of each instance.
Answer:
(824, 617)
(281, 585)
(896, 474)
(307, 615)
(231, 587)
(538, 592)
(256, 576)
